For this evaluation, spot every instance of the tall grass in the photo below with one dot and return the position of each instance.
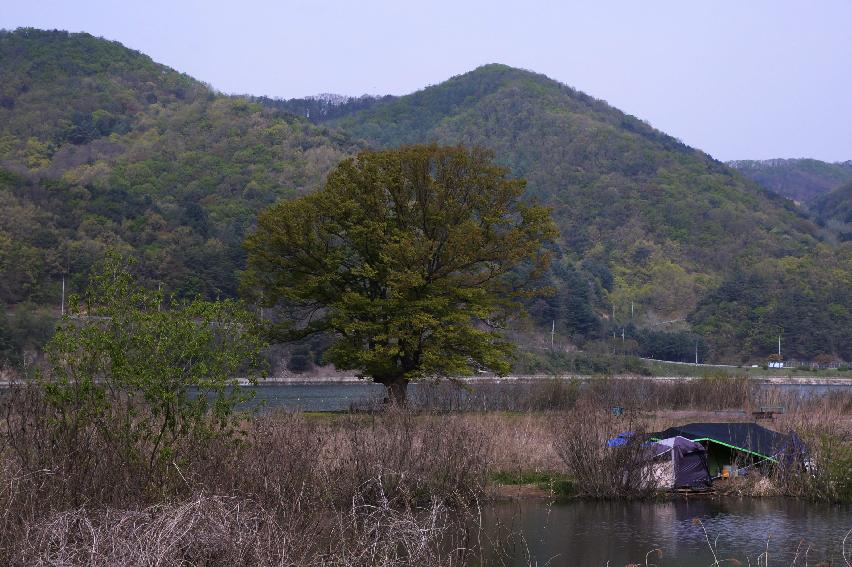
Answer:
(398, 487)
(825, 472)
(708, 393)
(229, 531)
(388, 489)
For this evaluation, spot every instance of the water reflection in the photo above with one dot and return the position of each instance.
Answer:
(595, 533)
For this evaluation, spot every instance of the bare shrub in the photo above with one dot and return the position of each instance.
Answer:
(75, 459)
(599, 471)
(202, 531)
(522, 443)
(347, 482)
(413, 457)
(387, 534)
(55, 464)
(277, 462)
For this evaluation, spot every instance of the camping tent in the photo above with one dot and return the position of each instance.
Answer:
(679, 463)
(727, 442)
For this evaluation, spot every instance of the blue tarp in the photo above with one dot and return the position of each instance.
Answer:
(620, 439)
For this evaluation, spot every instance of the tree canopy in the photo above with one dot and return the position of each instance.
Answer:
(412, 259)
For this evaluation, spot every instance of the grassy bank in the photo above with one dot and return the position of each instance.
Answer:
(387, 488)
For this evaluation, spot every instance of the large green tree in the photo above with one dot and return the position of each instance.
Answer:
(411, 259)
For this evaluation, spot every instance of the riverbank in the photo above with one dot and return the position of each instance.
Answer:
(792, 379)
(386, 488)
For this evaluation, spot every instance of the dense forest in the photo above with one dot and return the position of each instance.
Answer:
(834, 210)
(652, 230)
(823, 190)
(100, 147)
(801, 180)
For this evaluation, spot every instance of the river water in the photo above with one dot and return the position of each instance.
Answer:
(341, 396)
(620, 533)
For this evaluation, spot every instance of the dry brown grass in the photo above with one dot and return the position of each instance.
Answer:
(389, 489)
(599, 471)
(228, 531)
(396, 488)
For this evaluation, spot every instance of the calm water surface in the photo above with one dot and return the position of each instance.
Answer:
(595, 533)
(341, 396)
(334, 396)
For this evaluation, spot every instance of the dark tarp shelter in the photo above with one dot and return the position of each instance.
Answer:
(746, 437)
(749, 439)
(688, 461)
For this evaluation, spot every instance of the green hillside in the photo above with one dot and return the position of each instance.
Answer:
(802, 180)
(649, 225)
(100, 148)
(834, 210)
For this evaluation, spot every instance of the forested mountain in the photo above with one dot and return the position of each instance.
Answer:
(834, 210)
(649, 226)
(101, 147)
(802, 180)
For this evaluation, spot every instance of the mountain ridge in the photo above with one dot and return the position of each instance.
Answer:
(801, 179)
(149, 161)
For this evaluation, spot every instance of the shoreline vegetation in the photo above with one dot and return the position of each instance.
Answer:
(792, 379)
(380, 487)
(533, 365)
(6, 380)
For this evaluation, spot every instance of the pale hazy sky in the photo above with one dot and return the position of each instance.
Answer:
(738, 79)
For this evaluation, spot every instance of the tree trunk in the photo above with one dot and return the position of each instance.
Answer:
(397, 391)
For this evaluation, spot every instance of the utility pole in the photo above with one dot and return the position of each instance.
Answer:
(552, 333)
(62, 303)
(779, 346)
(159, 296)
(631, 311)
(696, 351)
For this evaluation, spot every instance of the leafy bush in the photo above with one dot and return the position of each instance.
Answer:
(139, 380)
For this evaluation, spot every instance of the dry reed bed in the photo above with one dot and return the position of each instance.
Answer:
(396, 488)
(229, 531)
